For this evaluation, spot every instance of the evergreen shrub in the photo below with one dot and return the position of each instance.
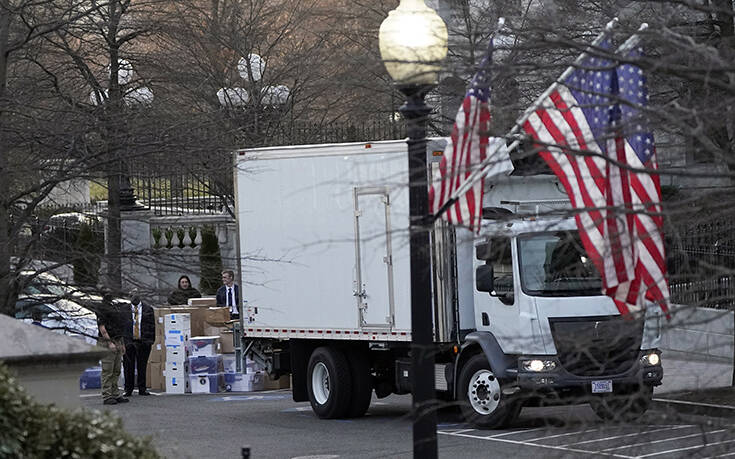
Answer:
(29, 429)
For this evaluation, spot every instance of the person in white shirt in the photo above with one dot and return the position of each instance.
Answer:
(229, 294)
(138, 349)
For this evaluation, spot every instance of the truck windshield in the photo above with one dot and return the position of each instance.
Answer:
(556, 264)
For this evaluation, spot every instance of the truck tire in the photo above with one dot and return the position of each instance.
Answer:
(362, 384)
(481, 398)
(623, 407)
(328, 382)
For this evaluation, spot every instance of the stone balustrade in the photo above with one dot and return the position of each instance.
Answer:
(157, 250)
(185, 233)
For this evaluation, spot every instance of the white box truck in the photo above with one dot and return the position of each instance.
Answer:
(518, 315)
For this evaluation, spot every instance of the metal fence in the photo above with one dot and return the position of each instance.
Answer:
(701, 263)
(183, 189)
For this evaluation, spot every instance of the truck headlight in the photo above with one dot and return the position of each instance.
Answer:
(538, 365)
(651, 359)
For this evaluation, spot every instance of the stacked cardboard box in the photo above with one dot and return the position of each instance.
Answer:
(201, 317)
(177, 332)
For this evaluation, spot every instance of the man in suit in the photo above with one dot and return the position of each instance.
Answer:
(229, 294)
(138, 346)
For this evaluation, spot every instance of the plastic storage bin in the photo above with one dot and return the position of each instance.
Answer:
(91, 378)
(206, 383)
(205, 364)
(204, 345)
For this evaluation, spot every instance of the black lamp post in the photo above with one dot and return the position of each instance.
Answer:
(413, 41)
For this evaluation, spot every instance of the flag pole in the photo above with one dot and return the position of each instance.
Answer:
(486, 164)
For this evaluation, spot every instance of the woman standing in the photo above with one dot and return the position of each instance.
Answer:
(183, 292)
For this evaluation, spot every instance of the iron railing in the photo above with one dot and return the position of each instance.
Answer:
(701, 263)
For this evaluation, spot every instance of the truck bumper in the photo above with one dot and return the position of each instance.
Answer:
(561, 382)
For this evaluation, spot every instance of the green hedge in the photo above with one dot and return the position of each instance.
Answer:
(31, 430)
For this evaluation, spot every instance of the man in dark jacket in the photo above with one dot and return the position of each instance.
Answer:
(113, 321)
(229, 294)
(138, 346)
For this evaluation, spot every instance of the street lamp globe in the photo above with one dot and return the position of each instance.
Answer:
(139, 96)
(275, 95)
(125, 71)
(255, 63)
(413, 42)
(233, 97)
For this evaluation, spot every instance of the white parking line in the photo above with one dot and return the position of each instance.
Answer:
(538, 445)
(615, 437)
(562, 435)
(653, 442)
(687, 448)
(515, 432)
(684, 402)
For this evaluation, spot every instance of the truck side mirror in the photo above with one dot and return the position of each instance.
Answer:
(482, 251)
(484, 278)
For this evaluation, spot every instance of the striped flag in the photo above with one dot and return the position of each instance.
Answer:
(465, 151)
(581, 128)
(641, 196)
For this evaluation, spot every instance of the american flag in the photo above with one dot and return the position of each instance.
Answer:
(466, 149)
(606, 170)
(634, 147)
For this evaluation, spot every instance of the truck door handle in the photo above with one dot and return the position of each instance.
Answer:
(485, 319)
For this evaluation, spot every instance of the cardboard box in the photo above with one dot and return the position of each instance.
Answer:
(176, 384)
(217, 316)
(176, 354)
(177, 322)
(284, 382)
(204, 345)
(176, 338)
(158, 352)
(206, 383)
(226, 337)
(227, 342)
(197, 315)
(155, 374)
(174, 368)
(204, 301)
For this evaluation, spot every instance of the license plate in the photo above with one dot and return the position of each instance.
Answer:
(602, 387)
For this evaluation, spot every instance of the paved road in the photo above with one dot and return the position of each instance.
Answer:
(203, 426)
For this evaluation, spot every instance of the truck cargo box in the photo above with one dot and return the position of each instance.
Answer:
(324, 241)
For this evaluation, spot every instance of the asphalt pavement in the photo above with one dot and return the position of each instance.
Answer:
(692, 414)
(697, 386)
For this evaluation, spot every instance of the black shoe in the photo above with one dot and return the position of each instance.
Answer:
(128, 393)
(143, 392)
(122, 400)
(110, 401)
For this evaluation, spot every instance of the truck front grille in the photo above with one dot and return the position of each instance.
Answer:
(597, 346)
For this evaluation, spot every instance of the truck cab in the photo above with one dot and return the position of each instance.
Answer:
(542, 325)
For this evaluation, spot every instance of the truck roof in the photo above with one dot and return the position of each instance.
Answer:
(514, 227)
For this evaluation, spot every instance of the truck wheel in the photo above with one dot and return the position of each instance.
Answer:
(328, 383)
(481, 398)
(362, 384)
(623, 407)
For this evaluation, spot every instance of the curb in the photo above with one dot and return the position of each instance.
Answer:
(703, 409)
